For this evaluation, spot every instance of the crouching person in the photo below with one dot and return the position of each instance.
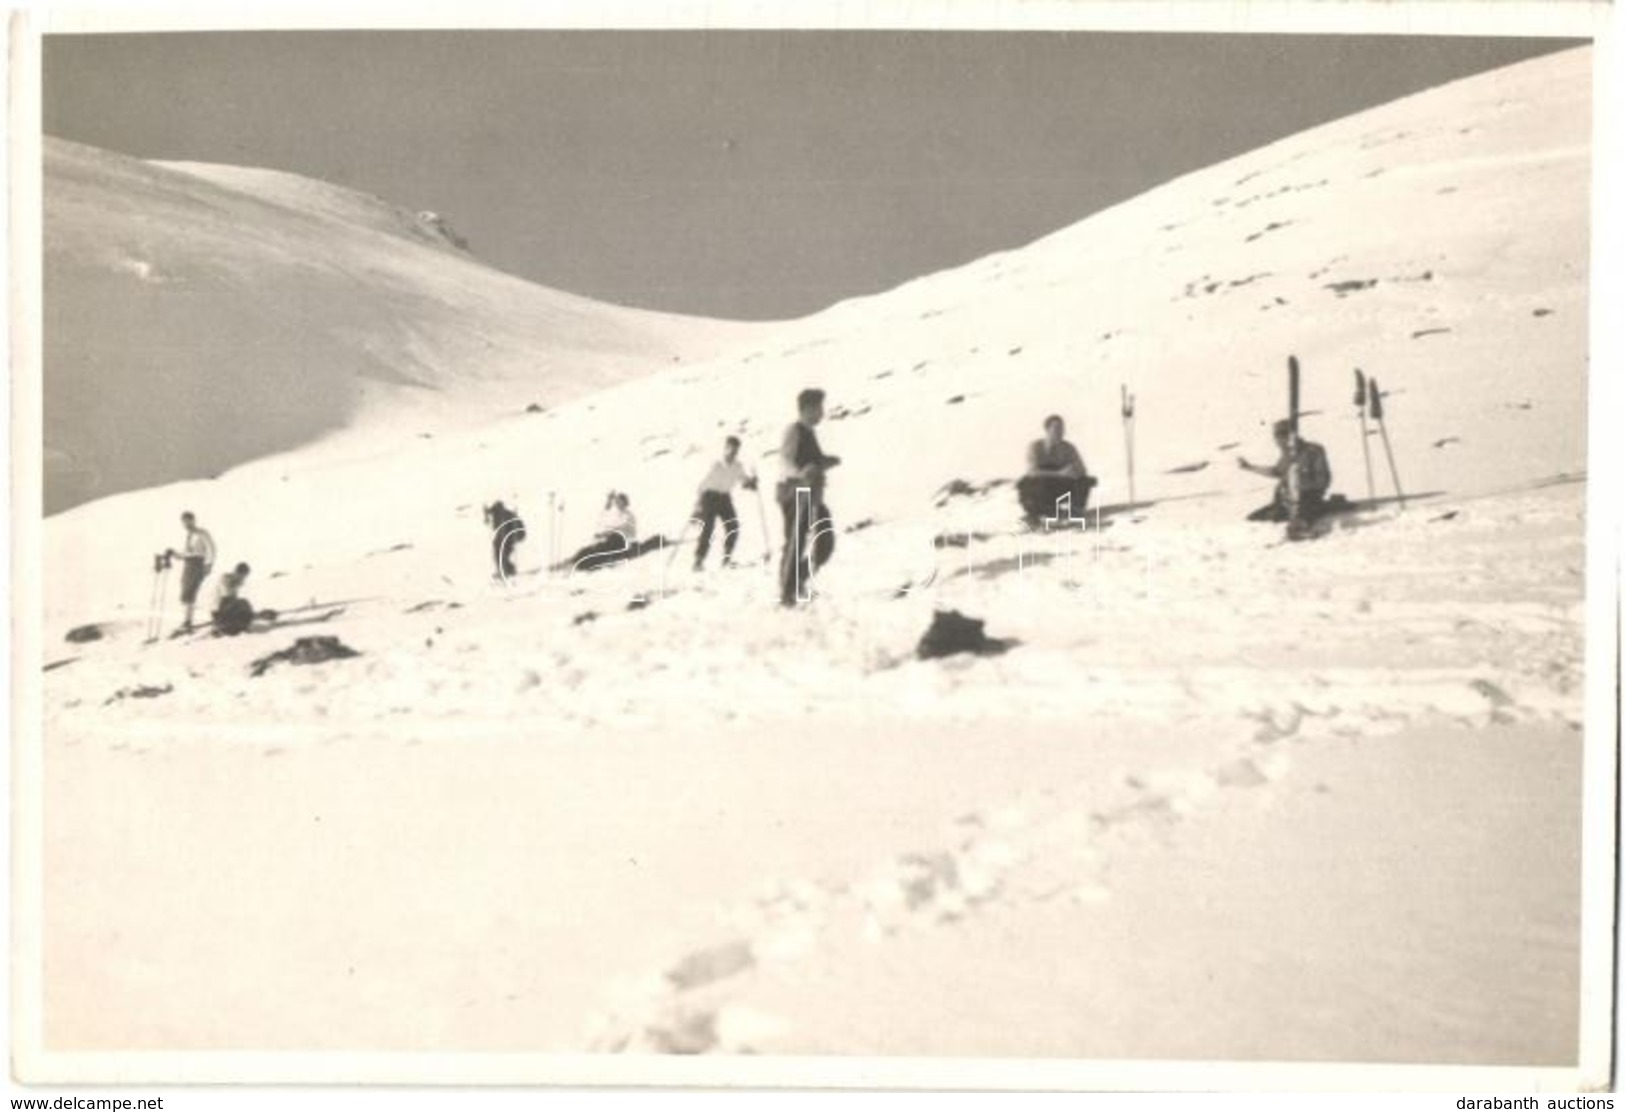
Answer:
(1054, 471)
(233, 613)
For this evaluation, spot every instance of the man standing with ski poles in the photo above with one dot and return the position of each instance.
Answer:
(197, 557)
(716, 503)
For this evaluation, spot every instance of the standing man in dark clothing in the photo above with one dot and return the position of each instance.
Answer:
(717, 504)
(507, 530)
(1054, 469)
(801, 498)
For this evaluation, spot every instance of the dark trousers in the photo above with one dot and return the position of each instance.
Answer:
(1040, 493)
(502, 545)
(603, 552)
(1311, 504)
(193, 572)
(716, 506)
(809, 541)
(234, 616)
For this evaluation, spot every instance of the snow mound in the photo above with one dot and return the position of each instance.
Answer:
(199, 316)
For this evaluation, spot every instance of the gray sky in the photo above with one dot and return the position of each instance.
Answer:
(736, 174)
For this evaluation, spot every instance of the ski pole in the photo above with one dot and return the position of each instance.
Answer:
(761, 516)
(1128, 439)
(1294, 480)
(161, 569)
(550, 537)
(681, 537)
(1365, 432)
(1388, 447)
(558, 533)
(152, 597)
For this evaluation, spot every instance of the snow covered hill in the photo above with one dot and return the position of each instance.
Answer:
(200, 316)
(1221, 797)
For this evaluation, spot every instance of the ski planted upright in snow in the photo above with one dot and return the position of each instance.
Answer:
(1294, 476)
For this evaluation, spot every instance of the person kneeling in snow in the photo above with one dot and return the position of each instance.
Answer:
(1054, 471)
(1305, 464)
(232, 613)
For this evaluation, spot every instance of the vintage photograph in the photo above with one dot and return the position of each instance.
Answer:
(615, 545)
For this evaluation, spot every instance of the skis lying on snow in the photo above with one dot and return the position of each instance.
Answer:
(265, 621)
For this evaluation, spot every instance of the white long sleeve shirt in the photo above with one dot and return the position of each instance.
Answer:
(617, 520)
(723, 477)
(199, 543)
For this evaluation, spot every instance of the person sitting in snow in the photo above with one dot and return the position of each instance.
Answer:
(232, 613)
(1054, 470)
(1303, 465)
(617, 536)
(507, 530)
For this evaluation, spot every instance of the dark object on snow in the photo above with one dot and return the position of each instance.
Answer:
(955, 488)
(1054, 497)
(584, 617)
(535, 407)
(952, 632)
(81, 634)
(234, 616)
(306, 650)
(704, 967)
(958, 540)
(145, 691)
(608, 552)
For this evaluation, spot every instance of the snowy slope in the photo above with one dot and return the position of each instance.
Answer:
(647, 810)
(235, 312)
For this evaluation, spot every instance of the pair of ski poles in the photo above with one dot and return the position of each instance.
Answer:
(160, 589)
(1368, 398)
(1128, 440)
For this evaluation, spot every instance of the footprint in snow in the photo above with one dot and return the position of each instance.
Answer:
(703, 967)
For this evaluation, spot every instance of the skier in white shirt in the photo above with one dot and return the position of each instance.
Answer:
(717, 504)
(197, 557)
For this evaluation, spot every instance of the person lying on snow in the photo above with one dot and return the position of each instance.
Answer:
(232, 613)
(617, 538)
(1054, 470)
(1302, 464)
